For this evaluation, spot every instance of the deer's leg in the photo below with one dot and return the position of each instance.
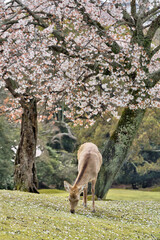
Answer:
(85, 197)
(93, 192)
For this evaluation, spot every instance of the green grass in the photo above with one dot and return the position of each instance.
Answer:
(155, 189)
(52, 191)
(123, 194)
(46, 216)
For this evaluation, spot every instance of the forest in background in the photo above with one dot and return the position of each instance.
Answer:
(140, 170)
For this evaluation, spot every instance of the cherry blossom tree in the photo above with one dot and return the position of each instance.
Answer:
(94, 55)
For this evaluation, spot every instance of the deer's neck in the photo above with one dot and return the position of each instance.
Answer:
(82, 176)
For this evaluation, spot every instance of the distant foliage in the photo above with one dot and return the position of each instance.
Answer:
(55, 168)
(8, 138)
(142, 168)
(143, 163)
(97, 133)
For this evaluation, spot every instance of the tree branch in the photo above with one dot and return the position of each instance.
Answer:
(155, 51)
(133, 8)
(147, 18)
(155, 77)
(153, 28)
(150, 13)
(128, 18)
(101, 30)
(10, 85)
(1, 41)
(59, 49)
(8, 20)
(35, 16)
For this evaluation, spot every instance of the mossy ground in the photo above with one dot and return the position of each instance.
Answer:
(46, 216)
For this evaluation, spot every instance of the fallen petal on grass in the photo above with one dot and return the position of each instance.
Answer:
(47, 216)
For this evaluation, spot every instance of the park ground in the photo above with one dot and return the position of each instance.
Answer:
(125, 214)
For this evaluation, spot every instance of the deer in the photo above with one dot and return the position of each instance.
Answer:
(89, 164)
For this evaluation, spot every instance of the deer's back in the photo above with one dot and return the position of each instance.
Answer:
(90, 157)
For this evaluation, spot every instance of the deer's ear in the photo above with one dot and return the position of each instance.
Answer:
(81, 188)
(67, 186)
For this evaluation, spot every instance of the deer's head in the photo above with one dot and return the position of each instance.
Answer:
(74, 195)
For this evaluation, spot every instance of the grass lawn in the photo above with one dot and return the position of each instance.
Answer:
(123, 194)
(126, 214)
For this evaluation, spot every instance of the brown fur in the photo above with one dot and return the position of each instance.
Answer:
(81, 173)
(89, 163)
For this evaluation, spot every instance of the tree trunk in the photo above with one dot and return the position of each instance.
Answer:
(25, 168)
(116, 149)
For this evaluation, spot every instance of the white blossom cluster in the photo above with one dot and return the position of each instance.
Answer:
(56, 51)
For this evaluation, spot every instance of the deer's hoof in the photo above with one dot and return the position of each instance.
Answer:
(72, 211)
(85, 205)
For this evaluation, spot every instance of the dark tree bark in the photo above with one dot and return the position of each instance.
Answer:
(116, 149)
(25, 168)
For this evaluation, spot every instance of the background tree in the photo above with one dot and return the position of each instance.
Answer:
(142, 162)
(27, 84)
(101, 54)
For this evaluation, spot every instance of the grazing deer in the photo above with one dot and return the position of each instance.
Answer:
(89, 163)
